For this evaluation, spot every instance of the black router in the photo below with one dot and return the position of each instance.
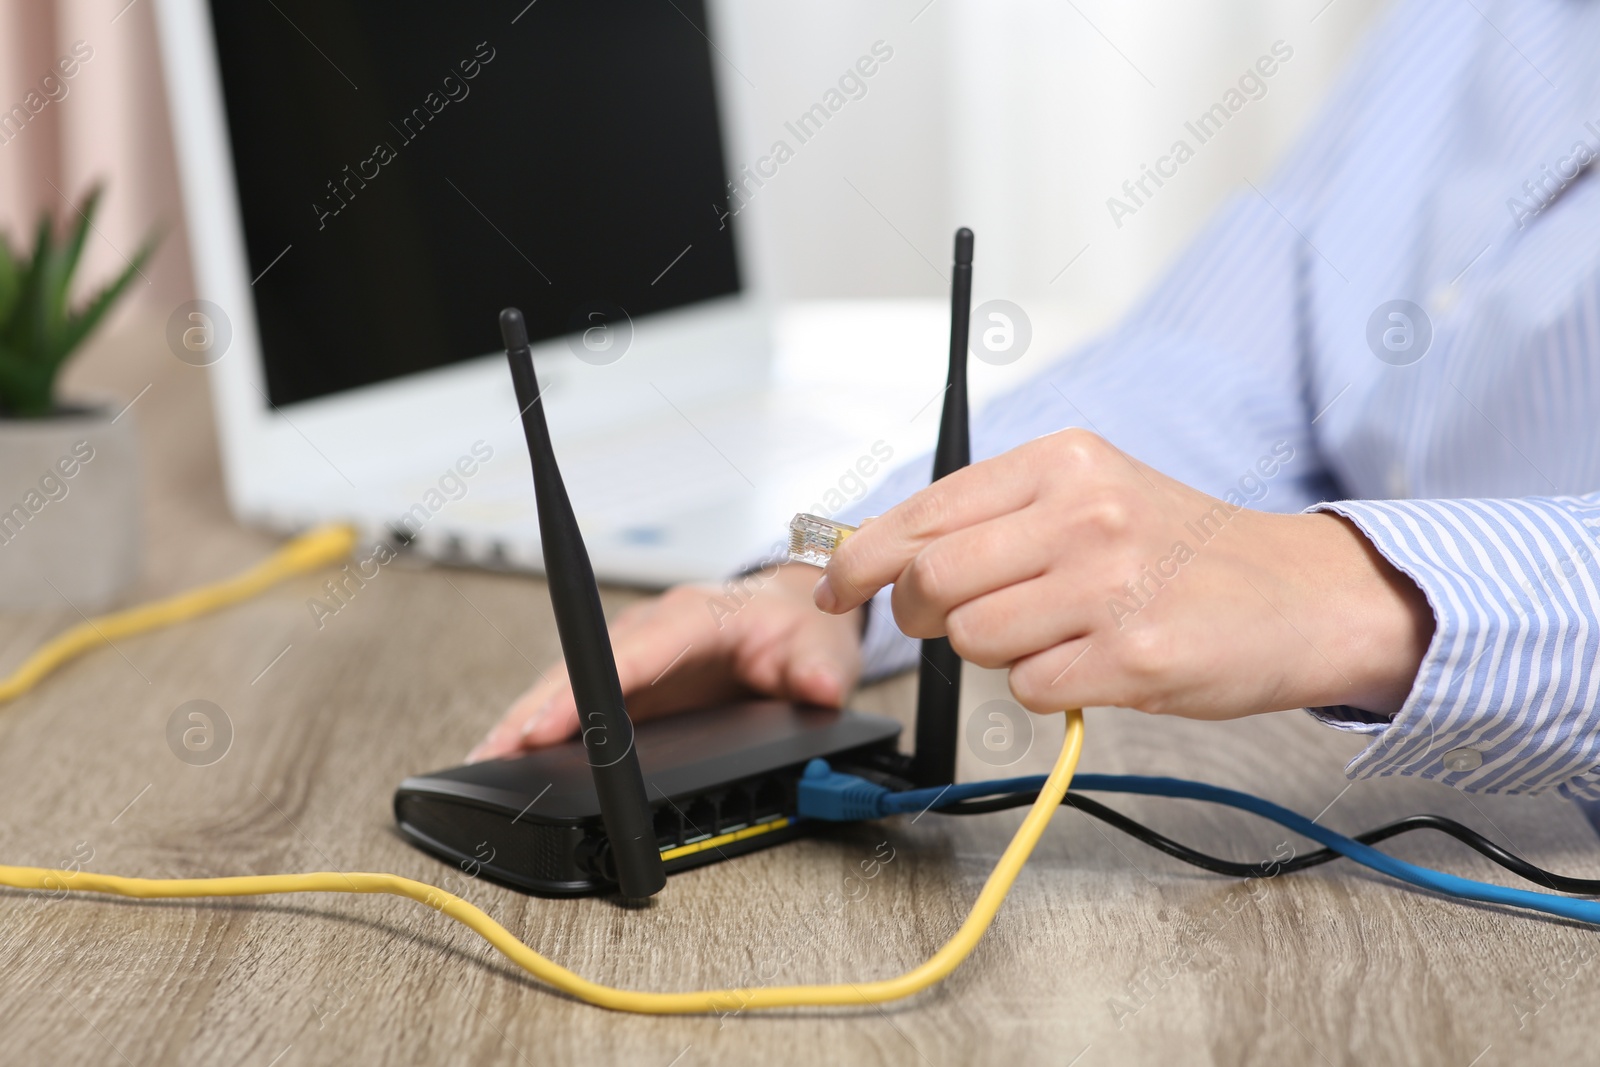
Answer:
(619, 808)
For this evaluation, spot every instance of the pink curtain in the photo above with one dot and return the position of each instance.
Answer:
(81, 101)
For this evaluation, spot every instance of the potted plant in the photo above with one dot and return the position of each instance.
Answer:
(69, 499)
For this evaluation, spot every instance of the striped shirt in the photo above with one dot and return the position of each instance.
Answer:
(1451, 169)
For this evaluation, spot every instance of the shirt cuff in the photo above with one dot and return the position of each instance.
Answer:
(1505, 700)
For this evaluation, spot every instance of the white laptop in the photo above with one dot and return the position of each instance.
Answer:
(368, 183)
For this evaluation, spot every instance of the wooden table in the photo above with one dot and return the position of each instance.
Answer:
(1106, 952)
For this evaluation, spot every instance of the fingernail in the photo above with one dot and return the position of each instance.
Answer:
(822, 595)
(478, 753)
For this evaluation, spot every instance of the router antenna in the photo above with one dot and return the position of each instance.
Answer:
(585, 642)
(939, 677)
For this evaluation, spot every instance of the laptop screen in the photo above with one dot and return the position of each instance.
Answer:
(408, 168)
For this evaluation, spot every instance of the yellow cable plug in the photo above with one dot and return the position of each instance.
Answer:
(308, 552)
(947, 959)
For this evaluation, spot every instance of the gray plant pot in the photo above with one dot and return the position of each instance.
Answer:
(69, 510)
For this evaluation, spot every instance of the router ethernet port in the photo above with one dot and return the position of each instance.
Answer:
(700, 820)
(668, 827)
(770, 800)
(734, 809)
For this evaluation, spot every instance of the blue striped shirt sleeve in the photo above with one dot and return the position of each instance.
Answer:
(1505, 700)
(1398, 192)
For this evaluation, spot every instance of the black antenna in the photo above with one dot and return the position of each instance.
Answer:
(591, 667)
(939, 679)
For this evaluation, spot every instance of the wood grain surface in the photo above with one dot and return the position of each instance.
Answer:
(1106, 952)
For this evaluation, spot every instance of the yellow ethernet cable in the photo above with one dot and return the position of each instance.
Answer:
(308, 552)
(813, 536)
(937, 967)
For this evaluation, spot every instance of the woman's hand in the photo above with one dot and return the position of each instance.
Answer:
(1098, 580)
(697, 645)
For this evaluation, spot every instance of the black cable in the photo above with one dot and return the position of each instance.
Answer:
(1268, 868)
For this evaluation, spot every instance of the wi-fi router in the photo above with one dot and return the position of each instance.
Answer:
(621, 806)
(718, 783)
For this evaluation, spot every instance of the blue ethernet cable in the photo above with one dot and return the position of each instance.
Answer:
(828, 794)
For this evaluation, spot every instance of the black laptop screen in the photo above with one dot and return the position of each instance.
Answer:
(406, 169)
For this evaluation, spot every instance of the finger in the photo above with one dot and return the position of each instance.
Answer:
(644, 658)
(1007, 625)
(506, 737)
(1068, 675)
(823, 664)
(964, 565)
(548, 712)
(551, 694)
(666, 663)
(673, 602)
(556, 719)
(697, 674)
(634, 616)
(875, 555)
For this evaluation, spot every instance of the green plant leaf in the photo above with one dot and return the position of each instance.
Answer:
(80, 323)
(10, 283)
(80, 232)
(55, 283)
(25, 386)
(39, 327)
(31, 302)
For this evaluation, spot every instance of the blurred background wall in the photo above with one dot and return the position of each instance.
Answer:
(111, 126)
(1016, 117)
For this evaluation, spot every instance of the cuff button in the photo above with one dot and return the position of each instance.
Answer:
(1463, 759)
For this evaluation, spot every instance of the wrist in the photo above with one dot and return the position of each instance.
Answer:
(1373, 623)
